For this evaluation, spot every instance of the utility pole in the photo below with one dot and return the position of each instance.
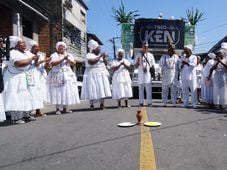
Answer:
(114, 46)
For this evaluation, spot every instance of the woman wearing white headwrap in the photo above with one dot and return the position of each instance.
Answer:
(96, 84)
(39, 90)
(207, 87)
(62, 81)
(16, 96)
(121, 81)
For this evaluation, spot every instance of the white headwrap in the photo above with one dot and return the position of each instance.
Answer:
(60, 43)
(92, 44)
(14, 40)
(224, 45)
(189, 46)
(212, 55)
(31, 44)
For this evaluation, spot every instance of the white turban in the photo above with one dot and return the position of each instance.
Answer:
(224, 45)
(120, 50)
(211, 55)
(92, 44)
(14, 40)
(60, 43)
(31, 44)
(189, 46)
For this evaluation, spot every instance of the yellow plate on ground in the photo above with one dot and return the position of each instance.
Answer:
(126, 124)
(152, 124)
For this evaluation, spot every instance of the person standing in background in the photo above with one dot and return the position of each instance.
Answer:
(199, 69)
(121, 81)
(62, 81)
(220, 79)
(143, 62)
(207, 90)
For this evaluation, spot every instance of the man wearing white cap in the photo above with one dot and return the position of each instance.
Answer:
(188, 76)
(96, 86)
(143, 62)
(16, 96)
(121, 81)
(62, 81)
(219, 72)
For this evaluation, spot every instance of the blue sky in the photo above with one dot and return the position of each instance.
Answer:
(208, 32)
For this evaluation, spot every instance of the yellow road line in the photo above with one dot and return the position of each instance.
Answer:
(147, 156)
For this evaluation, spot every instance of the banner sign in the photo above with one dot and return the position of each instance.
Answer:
(127, 35)
(159, 32)
(189, 37)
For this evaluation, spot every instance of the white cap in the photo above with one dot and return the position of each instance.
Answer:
(31, 44)
(120, 50)
(212, 55)
(224, 45)
(189, 46)
(92, 44)
(60, 43)
(14, 40)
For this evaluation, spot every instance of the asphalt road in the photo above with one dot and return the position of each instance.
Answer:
(188, 139)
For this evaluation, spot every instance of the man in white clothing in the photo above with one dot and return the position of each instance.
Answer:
(168, 64)
(144, 61)
(188, 75)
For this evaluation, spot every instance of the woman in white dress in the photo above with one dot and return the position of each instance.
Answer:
(121, 81)
(62, 81)
(16, 96)
(207, 89)
(39, 90)
(96, 85)
(219, 80)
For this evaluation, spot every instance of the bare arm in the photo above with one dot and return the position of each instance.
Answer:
(24, 62)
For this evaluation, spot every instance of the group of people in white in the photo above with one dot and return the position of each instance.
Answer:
(27, 85)
(186, 76)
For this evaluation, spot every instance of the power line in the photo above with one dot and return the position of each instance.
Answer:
(214, 28)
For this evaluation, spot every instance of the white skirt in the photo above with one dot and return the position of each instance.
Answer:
(220, 87)
(65, 94)
(95, 85)
(16, 96)
(2, 111)
(121, 85)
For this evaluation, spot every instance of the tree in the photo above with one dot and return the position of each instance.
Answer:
(194, 16)
(121, 16)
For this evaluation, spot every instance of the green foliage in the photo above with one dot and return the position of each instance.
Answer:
(121, 16)
(194, 16)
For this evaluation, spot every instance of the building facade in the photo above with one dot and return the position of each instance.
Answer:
(47, 21)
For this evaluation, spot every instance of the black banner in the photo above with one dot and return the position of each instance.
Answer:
(158, 32)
